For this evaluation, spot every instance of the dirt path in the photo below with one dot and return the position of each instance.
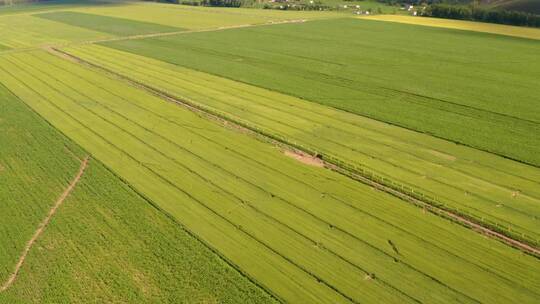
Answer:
(43, 225)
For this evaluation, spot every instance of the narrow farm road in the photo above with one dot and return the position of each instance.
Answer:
(43, 225)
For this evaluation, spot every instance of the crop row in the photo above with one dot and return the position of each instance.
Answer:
(456, 178)
(316, 234)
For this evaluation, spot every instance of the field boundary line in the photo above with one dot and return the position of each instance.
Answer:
(41, 228)
(332, 163)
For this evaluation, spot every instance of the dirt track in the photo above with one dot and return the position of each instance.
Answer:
(43, 225)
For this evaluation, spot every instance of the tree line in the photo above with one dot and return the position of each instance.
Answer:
(482, 14)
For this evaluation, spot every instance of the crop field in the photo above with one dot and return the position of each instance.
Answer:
(72, 24)
(308, 226)
(472, 86)
(196, 18)
(457, 176)
(159, 153)
(105, 24)
(103, 215)
(21, 31)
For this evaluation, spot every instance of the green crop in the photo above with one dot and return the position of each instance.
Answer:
(453, 84)
(317, 236)
(498, 191)
(105, 244)
(106, 24)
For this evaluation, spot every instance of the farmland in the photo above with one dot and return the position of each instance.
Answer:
(462, 180)
(171, 155)
(103, 215)
(73, 24)
(375, 82)
(263, 156)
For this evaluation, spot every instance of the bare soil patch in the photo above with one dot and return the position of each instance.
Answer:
(305, 158)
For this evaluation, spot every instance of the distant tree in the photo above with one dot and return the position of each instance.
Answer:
(482, 14)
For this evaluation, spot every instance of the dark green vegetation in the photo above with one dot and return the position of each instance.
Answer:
(473, 13)
(477, 94)
(105, 24)
(527, 6)
(105, 244)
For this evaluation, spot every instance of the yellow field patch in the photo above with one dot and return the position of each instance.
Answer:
(508, 30)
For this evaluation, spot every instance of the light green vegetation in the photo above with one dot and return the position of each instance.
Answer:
(3, 47)
(317, 236)
(105, 24)
(478, 94)
(489, 188)
(19, 31)
(105, 244)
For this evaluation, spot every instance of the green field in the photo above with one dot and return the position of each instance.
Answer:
(76, 24)
(196, 18)
(109, 25)
(23, 31)
(457, 176)
(377, 70)
(306, 225)
(194, 192)
(105, 243)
